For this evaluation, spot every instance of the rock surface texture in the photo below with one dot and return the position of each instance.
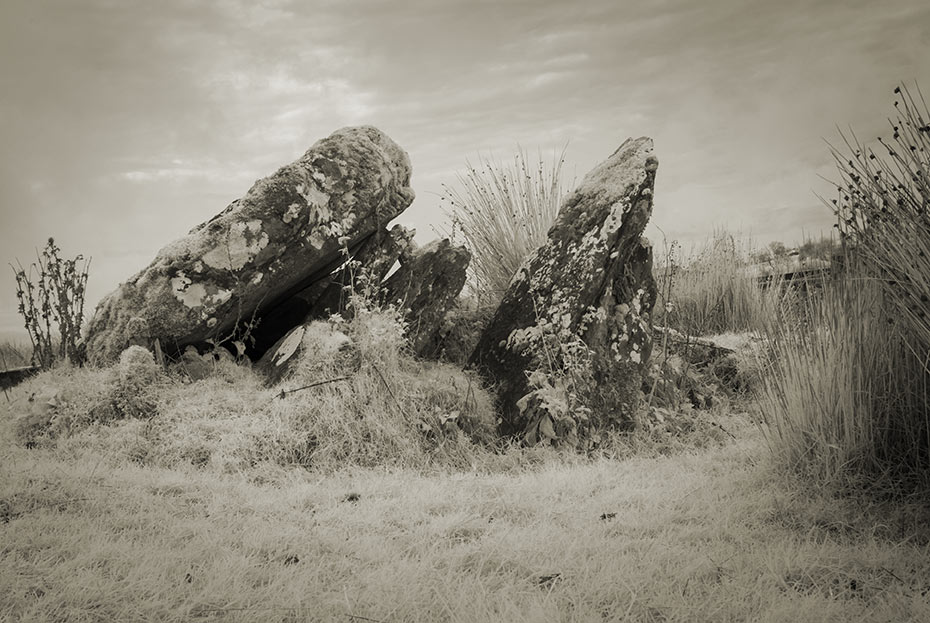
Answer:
(425, 287)
(373, 258)
(285, 234)
(570, 340)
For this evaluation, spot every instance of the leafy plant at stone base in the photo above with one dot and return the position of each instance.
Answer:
(51, 299)
(362, 289)
(561, 382)
(504, 212)
(239, 337)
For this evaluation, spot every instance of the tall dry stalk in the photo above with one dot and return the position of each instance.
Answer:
(51, 302)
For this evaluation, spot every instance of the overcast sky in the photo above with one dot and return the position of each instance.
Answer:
(123, 124)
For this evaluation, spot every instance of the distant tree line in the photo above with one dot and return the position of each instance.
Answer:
(775, 252)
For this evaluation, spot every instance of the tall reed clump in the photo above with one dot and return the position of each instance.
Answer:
(848, 391)
(844, 394)
(883, 209)
(504, 212)
(51, 301)
(712, 291)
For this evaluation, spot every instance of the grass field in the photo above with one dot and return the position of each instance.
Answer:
(708, 535)
(134, 493)
(14, 354)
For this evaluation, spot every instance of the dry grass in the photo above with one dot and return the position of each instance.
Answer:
(846, 395)
(695, 537)
(711, 290)
(504, 212)
(148, 498)
(389, 410)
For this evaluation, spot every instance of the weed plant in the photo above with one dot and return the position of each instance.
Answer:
(51, 301)
(504, 212)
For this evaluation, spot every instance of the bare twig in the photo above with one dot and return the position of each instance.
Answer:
(384, 380)
(285, 392)
(3, 361)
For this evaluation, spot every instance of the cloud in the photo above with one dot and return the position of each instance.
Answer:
(128, 123)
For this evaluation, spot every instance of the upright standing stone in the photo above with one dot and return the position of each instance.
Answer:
(571, 337)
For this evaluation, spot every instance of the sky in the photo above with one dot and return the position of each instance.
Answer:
(123, 124)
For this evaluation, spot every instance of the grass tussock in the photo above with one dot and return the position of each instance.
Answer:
(846, 395)
(712, 291)
(385, 409)
(504, 212)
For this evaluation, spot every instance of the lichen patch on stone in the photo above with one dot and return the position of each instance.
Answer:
(220, 297)
(243, 242)
(189, 293)
(293, 211)
(315, 198)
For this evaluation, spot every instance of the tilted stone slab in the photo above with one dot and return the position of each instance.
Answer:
(286, 233)
(372, 263)
(570, 339)
(425, 286)
(375, 256)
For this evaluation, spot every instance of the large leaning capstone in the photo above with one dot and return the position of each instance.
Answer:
(569, 342)
(286, 233)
